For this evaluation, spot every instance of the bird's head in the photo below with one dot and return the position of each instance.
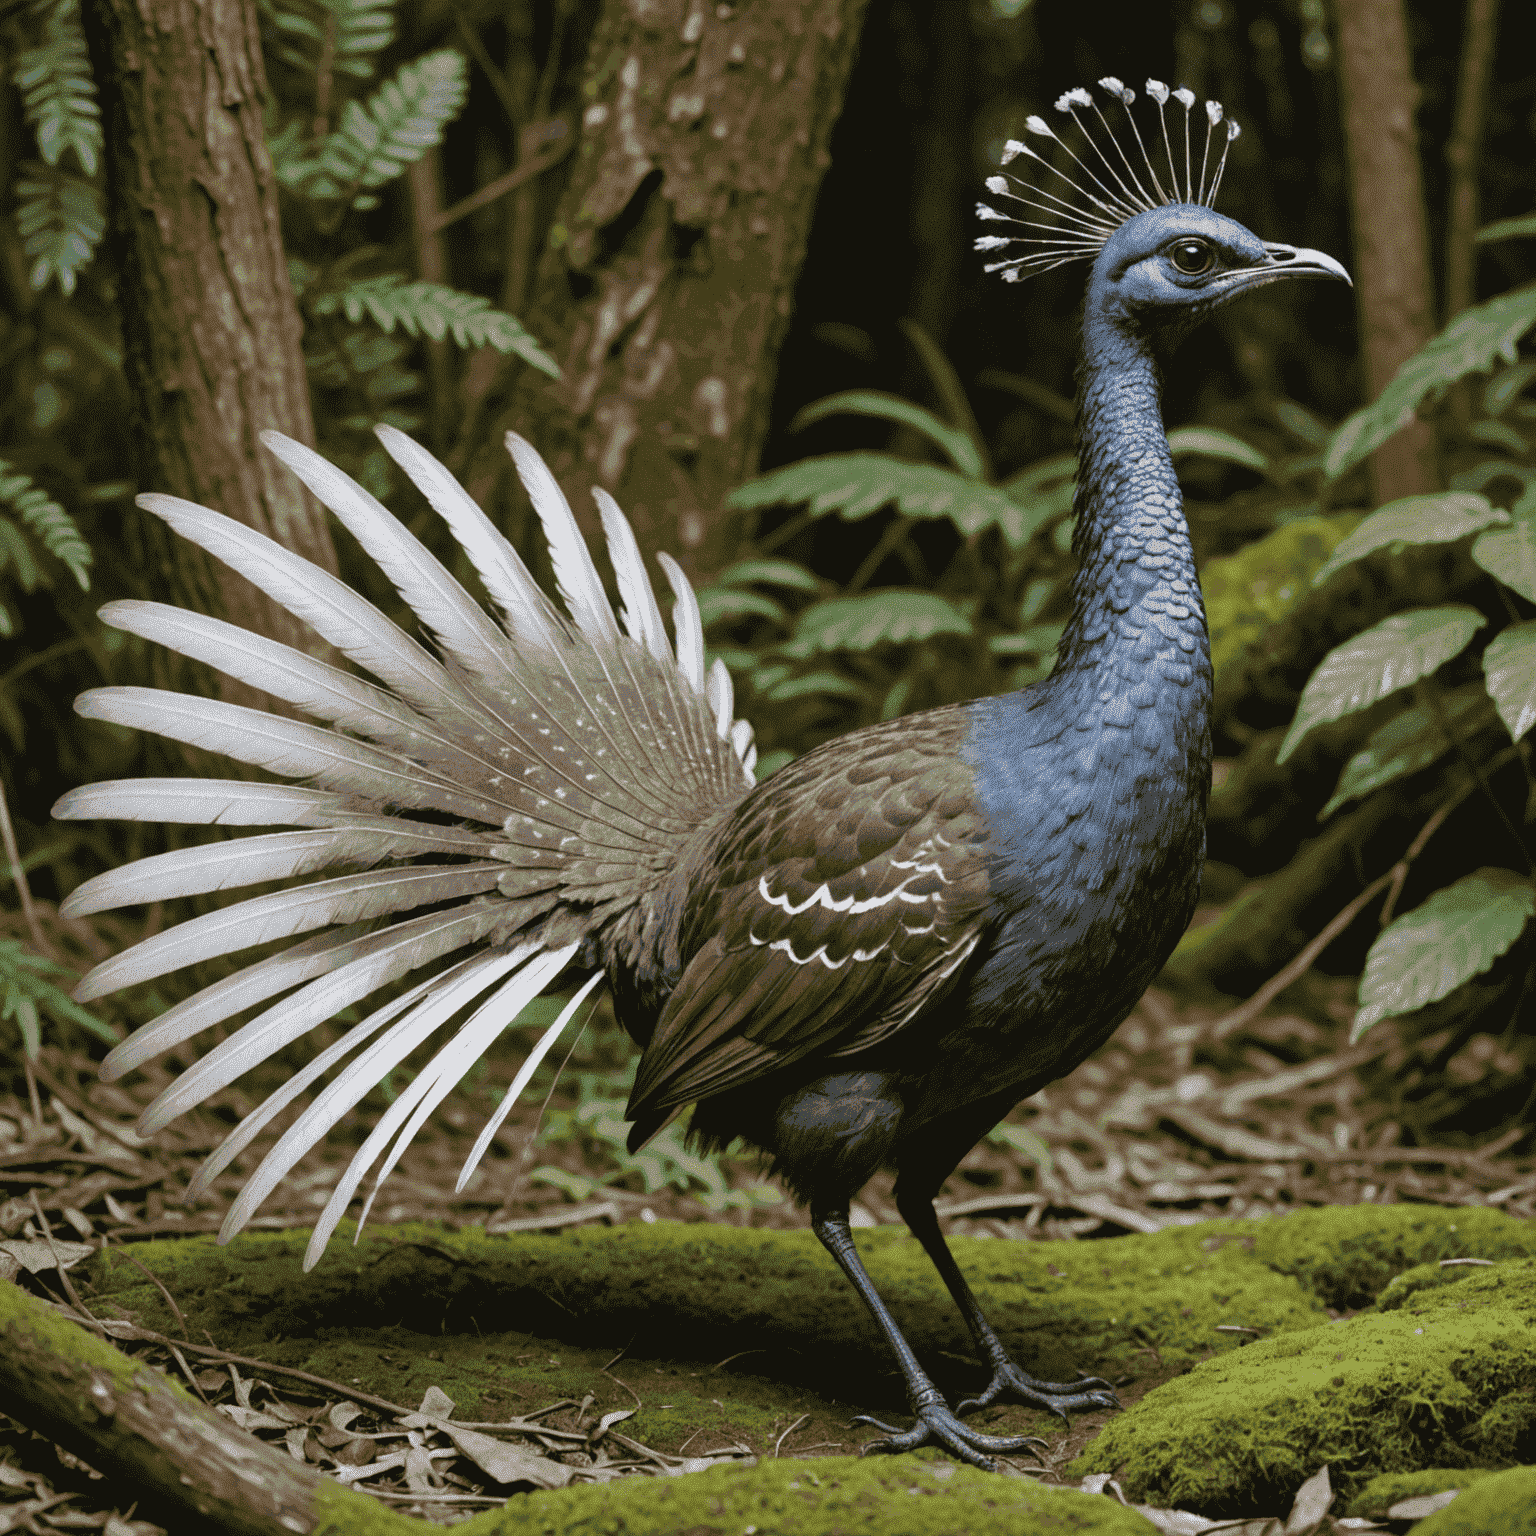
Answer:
(1139, 207)
(1165, 269)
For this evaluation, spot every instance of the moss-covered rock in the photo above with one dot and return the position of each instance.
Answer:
(1445, 1380)
(1389, 1488)
(898, 1496)
(1501, 1505)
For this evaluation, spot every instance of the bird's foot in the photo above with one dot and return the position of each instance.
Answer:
(1080, 1396)
(938, 1425)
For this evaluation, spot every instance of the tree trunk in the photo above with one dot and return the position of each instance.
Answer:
(210, 327)
(667, 280)
(1392, 273)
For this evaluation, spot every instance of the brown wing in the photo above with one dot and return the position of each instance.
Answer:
(842, 896)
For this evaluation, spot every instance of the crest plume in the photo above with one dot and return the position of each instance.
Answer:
(1112, 178)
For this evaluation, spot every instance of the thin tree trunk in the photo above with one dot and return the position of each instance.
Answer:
(211, 331)
(666, 284)
(1392, 273)
(1479, 35)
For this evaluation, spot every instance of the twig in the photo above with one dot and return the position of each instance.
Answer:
(610, 1365)
(611, 1377)
(788, 1432)
(159, 1285)
(1429, 694)
(509, 181)
(40, 941)
(69, 1285)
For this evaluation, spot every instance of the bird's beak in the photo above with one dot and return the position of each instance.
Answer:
(1295, 261)
(1281, 261)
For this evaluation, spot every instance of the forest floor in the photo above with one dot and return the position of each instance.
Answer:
(1187, 1113)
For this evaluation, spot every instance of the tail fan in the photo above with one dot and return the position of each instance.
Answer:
(498, 795)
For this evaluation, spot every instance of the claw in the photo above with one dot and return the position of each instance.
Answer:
(936, 1424)
(1053, 1396)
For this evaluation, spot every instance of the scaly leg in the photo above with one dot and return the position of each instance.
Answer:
(936, 1423)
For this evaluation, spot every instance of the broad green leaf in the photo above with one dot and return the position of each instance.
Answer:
(854, 485)
(1247, 592)
(1510, 554)
(833, 683)
(1509, 668)
(1506, 386)
(1408, 742)
(1507, 229)
(878, 618)
(772, 573)
(1213, 443)
(1499, 434)
(729, 602)
(1436, 519)
(1456, 934)
(1469, 344)
(948, 389)
(1028, 642)
(1398, 651)
(875, 402)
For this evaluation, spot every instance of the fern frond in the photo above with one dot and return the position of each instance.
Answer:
(430, 309)
(61, 222)
(400, 122)
(359, 29)
(58, 93)
(48, 521)
(26, 988)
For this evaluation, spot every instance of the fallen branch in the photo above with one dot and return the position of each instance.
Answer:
(189, 1466)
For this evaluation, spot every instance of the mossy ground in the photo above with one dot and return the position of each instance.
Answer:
(732, 1334)
(1501, 1505)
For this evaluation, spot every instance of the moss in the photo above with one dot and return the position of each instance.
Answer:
(1500, 1505)
(1346, 1255)
(1389, 1488)
(674, 1291)
(1422, 1277)
(1435, 1383)
(899, 1496)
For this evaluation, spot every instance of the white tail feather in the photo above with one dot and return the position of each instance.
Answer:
(687, 623)
(207, 802)
(642, 616)
(523, 1078)
(533, 618)
(431, 1085)
(343, 1091)
(575, 574)
(722, 698)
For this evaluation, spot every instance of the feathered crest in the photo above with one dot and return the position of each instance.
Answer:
(1116, 182)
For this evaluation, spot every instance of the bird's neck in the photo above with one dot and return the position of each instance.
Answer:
(1136, 615)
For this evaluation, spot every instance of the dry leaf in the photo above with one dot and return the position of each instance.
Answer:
(36, 1256)
(1422, 1507)
(1311, 1505)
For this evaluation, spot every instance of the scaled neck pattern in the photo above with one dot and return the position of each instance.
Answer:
(1138, 628)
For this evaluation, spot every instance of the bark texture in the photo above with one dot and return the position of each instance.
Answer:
(210, 327)
(186, 1462)
(666, 283)
(1391, 266)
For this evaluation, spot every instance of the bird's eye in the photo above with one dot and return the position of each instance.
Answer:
(1192, 257)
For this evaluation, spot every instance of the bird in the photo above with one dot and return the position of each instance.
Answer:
(864, 961)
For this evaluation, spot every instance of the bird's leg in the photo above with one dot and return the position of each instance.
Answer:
(936, 1422)
(1056, 1397)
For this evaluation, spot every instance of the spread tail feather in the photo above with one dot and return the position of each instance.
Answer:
(478, 808)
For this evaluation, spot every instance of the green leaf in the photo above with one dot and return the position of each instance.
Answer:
(432, 310)
(375, 140)
(833, 684)
(960, 450)
(948, 390)
(1507, 229)
(1034, 640)
(1469, 344)
(1510, 555)
(1456, 934)
(58, 92)
(1257, 586)
(1021, 1139)
(771, 573)
(854, 485)
(730, 602)
(1509, 669)
(1436, 519)
(1398, 651)
(49, 522)
(878, 618)
(1408, 742)
(61, 222)
(1213, 443)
